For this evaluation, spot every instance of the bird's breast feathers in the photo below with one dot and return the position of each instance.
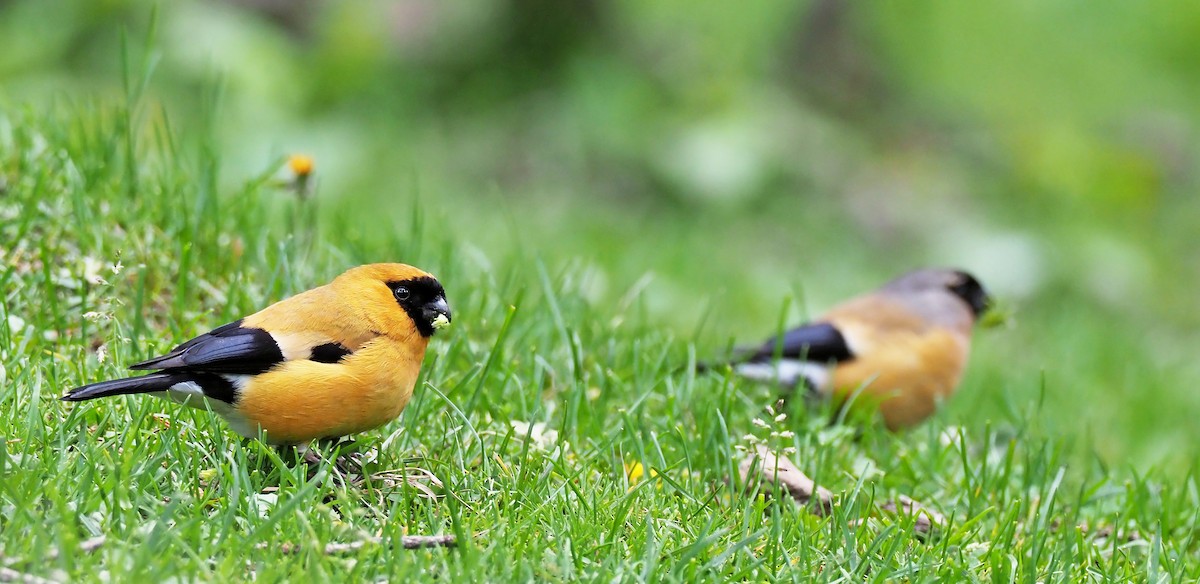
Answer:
(303, 400)
(906, 372)
(303, 384)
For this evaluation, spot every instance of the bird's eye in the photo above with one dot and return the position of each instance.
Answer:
(401, 293)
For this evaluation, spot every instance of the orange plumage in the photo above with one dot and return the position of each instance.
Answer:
(335, 360)
(903, 347)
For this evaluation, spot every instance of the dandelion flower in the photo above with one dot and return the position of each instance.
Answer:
(635, 472)
(301, 164)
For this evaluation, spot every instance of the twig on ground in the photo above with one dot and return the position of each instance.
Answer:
(11, 575)
(408, 542)
(778, 469)
(87, 546)
(1101, 532)
(774, 469)
(424, 481)
(925, 519)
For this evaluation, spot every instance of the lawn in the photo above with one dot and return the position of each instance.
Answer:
(557, 433)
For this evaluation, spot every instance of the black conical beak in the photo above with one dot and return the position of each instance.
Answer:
(437, 313)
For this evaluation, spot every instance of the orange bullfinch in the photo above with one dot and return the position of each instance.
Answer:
(902, 347)
(335, 360)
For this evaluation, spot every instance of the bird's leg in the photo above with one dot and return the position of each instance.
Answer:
(314, 455)
(293, 454)
(308, 455)
(338, 442)
(348, 460)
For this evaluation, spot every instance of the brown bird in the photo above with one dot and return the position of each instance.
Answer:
(903, 347)
(335, 360)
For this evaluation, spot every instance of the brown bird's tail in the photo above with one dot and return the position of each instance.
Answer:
(144, 384)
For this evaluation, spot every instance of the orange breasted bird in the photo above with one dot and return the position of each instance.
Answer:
(339, 359)
(903, 347)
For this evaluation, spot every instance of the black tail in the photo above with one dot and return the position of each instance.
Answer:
(143, 384)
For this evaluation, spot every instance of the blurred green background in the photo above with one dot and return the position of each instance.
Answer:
(718, 160)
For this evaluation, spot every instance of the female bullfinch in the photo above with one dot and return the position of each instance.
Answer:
(335, 360)
(903, 346)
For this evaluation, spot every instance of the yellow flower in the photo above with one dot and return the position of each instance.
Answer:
(300, 164)
(635, 472)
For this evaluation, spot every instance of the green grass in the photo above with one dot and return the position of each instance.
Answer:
(556, 323)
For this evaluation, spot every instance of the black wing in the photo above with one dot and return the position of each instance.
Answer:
(820, 342)
(228, 349)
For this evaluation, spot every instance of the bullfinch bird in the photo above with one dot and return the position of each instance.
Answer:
(335, 360)
(903, 346)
